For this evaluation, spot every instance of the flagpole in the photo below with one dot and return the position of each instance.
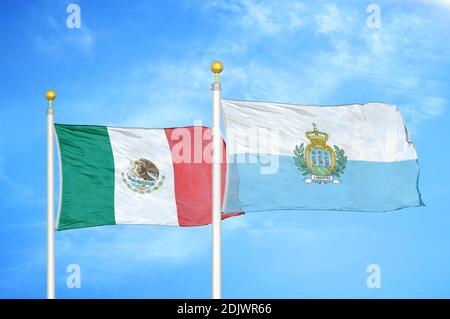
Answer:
(216, 68)
(50, 95)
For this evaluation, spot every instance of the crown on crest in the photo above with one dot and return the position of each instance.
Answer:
(317, 138)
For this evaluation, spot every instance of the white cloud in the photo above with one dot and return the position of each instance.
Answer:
(262, 15)
(390, 59)
(266, 17)
(444, 3)
(333, 20)
(434, 105)
(424, 108)
(165, 93)
(60, 40)
(54, 38)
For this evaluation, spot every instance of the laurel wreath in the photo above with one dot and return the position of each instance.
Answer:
(341, 161)
(300, 161)
(142, 187)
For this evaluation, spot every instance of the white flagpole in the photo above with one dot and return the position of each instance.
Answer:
(216, 68)
(50, 96)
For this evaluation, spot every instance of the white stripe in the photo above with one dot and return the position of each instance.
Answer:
(369, 132)
(158, 207)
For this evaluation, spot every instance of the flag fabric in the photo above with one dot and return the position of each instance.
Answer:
(350, 157)
(134, 176)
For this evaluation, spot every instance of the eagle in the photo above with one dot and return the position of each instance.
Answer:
(146, 170)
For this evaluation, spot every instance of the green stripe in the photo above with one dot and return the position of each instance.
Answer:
(87, 176)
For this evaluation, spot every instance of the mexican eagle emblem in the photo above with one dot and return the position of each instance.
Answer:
(319, 162)
(143, 176)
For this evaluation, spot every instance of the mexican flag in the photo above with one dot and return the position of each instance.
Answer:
(111, 175)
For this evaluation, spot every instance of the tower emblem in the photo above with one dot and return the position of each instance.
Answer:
(142, 176)
(319, 162)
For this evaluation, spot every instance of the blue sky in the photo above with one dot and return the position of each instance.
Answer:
(142, 63)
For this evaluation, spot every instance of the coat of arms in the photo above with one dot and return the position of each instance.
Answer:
(319, 162)
(142, 176)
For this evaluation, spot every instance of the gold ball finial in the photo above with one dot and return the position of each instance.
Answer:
(216, 68)
(50, 95)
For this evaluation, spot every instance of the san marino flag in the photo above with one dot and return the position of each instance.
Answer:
(350, 158)
(135, 176)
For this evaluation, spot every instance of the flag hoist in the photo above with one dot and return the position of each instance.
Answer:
(50, 96)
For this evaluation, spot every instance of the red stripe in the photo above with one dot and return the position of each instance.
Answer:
(191, 153)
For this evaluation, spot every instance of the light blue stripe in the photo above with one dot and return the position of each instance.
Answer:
(365, 186)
